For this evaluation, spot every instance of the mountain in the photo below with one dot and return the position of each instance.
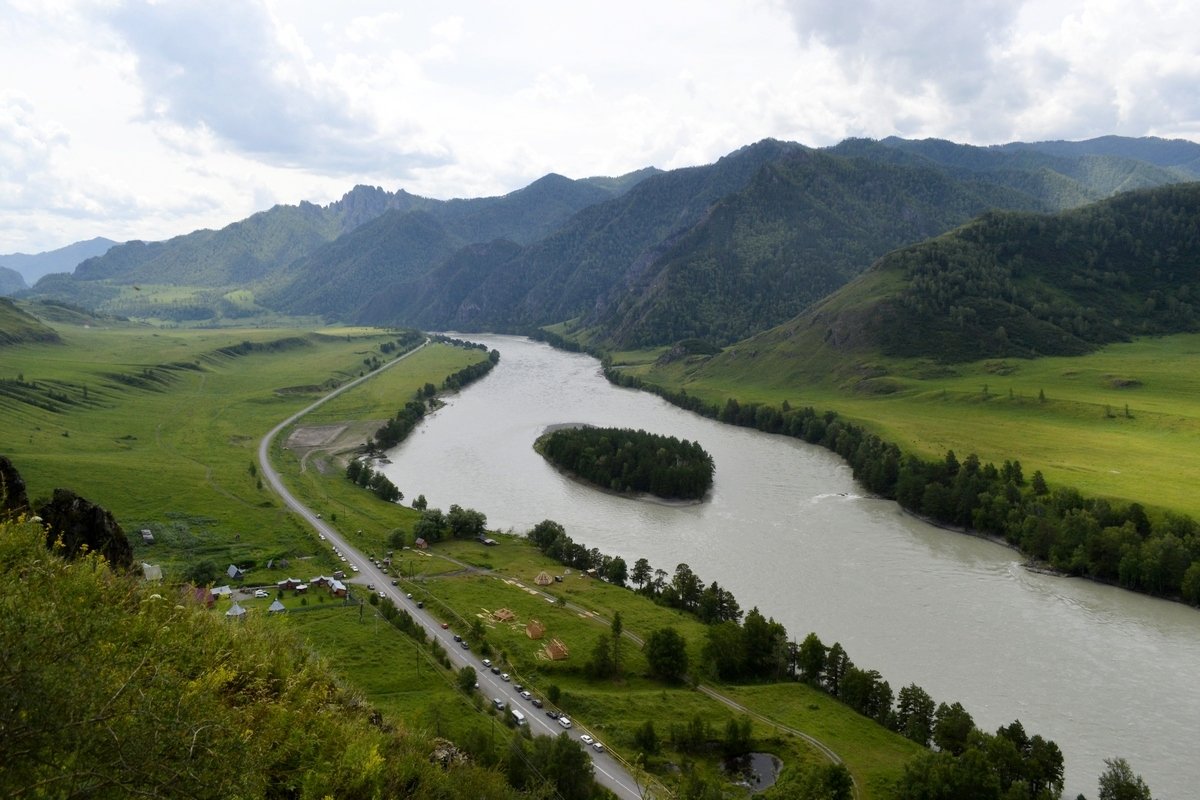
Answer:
(724, 250)
(1179, 155)
(564, 274)
(1013, 284)
(804, 226)
(64, 259)
(11, 282)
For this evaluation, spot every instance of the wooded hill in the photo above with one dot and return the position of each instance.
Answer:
(1020, 285)
(719, 251)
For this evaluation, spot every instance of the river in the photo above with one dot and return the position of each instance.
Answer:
(1101, 671)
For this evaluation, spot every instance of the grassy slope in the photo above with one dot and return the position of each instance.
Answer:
(1149, 457)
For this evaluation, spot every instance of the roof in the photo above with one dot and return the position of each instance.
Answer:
(543, 579)
(222, 591)
(234, 571)
(235, 610)
(277, 606)
(151, 572)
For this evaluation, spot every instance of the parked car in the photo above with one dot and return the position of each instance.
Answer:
(527, 695)
(370, 587)
(495, 670)
(260, 592)
(552, 714)
(518, 687)
(445, 625)
(395, 583)
(504, 676)
(487, 662)
(599, 748)
(586, 739)
(457, 638)
(465, 645)
(564, 721)
(536, 703)
(498, 703)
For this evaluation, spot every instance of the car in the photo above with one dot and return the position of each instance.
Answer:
(552, 714)
(599, 748)
(498, 703)
(445, 625)
(504, 676)
(260, 592)
(370, 587)
(409, 596)
(495, 670)
(395, 583)
(354, 567)
(322, 536)
(420, 604)
(536, 703)
(465, 645)
(457, 638)
(527, 695)
(382, 595)
(586, 739)
(487, 662)
(564, 720)
(517, 687)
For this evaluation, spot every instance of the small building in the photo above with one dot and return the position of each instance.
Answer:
(556, 650)
(235, 612)
(302, 588)
(503, 615)
(421, 544)
(151, 572)
(200, 594)
(320, 581)
(288, 584)
(147, 536)
(534, 629)
(222, 591)
(337, 589)
(276, 607)
(235, 573)
(543, 579)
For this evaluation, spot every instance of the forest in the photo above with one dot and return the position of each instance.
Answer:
(630, 461)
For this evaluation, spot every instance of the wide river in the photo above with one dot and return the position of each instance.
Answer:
(1101, 671)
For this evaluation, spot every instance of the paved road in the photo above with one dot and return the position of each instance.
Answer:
(608, 770)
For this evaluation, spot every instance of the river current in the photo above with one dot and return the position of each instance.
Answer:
(1101, 671)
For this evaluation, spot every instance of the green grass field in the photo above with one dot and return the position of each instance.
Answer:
(1079, 436)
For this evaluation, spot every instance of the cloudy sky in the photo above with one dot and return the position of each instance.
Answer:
(149, 119)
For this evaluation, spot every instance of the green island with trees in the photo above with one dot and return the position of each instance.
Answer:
(630, 461)
(376, 710)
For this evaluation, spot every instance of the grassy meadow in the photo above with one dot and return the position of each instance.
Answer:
(1123, 422)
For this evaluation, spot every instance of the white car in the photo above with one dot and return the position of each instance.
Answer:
(260, 593)
(599, 748)
(586, 739)
(354, 567)
(564, 721)
(504, 676)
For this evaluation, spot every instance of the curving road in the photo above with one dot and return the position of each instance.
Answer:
(609, 772)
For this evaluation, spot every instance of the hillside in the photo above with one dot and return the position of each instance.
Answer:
(1014, 284)
(803, 227)
(190, 705)
(11, 281)
(20, 327)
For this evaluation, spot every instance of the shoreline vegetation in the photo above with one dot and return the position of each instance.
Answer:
(629, 463)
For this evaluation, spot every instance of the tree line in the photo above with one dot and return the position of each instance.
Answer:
(397, 429)
(1090, 537)
(626, 460)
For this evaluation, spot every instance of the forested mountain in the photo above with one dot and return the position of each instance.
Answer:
(64, 259)
(1180, 155)
(1021, 284)
(803, 227)
(569, 270)
(11, 281)
(717, 252)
